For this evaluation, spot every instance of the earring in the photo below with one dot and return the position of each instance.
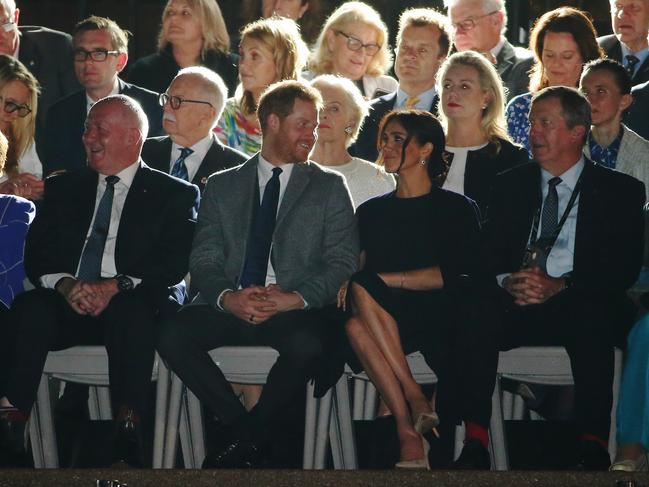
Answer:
(423, 162)
(348, 130)
(484, 107)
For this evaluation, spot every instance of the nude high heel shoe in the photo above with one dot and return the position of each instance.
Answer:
(418, 464)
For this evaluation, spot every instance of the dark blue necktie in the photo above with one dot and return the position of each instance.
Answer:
(631, 61)
(90, 264)
(550, 213)
(261, 235)
(180, 169)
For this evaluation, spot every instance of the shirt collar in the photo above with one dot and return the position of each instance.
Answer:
(641, 55)
(126, 175)
(498, 47)
(200, 147)
(570, 177)
(425, 99)
(612, 146)
(266, 168)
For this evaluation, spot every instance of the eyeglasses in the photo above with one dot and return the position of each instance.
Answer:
(176, 101)
(98, 55)
(468, 24)
(10, 107)
(355, 44)
(7, 24)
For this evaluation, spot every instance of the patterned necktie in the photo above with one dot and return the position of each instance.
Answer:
(631, 61)
(550, 213)
(411, 102)
(180, 169)
(93, 252)
(261, 235)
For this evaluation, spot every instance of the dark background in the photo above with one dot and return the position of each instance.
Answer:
(142, 17)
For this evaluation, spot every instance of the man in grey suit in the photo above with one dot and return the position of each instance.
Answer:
(269, 251)
(192, 105)
(479, 25)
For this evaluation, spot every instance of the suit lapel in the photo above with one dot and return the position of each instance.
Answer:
(298, 182)
(504, 60)
(138, 202)
(209, 164)
(243, 202)
(588, 213)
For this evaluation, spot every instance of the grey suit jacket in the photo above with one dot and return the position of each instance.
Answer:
(513, 65)
(315, 244)
(633, 157)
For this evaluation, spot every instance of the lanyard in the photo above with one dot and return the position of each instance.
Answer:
(548, 243)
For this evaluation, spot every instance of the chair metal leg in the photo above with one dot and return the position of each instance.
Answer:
(359, 398)
(518, 412)
(35, 437)
(497, 431)
(46, 422)
(460, 431)
(322, 431)
(171, 433)
(369, 408)
(162, 389)
(103, 396)
(508, 404)
(310, 427)
(196, 428)
(345, 424)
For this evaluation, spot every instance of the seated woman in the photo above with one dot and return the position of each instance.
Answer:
(22, 172)
(193, 33)
(271, 50)
(472, 112)
(305, 12)
(354, 43)
(420, 252)
(562, 40)
(340, 121)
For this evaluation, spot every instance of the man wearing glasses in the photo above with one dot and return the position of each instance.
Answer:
(191, 151)
(45, 52)
(100, 54)
(423, 42)
(479, 25)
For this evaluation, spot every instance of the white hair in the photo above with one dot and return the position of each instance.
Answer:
(211, 83)
(9, 6)
(488, 6)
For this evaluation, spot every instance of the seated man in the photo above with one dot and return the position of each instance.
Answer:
(192, 105)
(275, 240)
(105, 249)
(100, 54)
(565, 281)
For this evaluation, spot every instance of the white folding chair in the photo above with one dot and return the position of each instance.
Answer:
(537, 365)
(243, 365)
(84, 365)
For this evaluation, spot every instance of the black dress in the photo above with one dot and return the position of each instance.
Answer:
(401, 234)
(156, 71)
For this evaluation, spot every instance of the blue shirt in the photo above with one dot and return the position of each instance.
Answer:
(641, 55)
(605, 156)
(425, 99)
(518, 121)
(561, 258)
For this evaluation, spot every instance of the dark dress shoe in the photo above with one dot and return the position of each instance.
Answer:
(592, 456)
(474, 456)
(238, 454)
(12, 439)
(127, 446)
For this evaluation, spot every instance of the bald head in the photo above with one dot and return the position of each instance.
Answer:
(114, 132)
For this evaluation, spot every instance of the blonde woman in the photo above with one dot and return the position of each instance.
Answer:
(19, 90)
(354, 43)
(471, 111)
(193, 32)
(340, 121)
(271, 50)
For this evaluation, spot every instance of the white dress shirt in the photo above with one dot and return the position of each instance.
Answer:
(108, 266)
(193, 160)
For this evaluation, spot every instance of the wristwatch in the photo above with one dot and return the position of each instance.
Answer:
(124, 283)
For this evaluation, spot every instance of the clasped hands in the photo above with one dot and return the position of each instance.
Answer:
(533, 286)
(25, 184)
(256, 304)
(88, 298)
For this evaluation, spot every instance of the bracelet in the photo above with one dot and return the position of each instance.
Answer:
(403, 278)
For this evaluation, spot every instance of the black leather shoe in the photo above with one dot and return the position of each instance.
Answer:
(474, 456)
(12, 439)
(238, 454)
(127, 447)
(592, 456)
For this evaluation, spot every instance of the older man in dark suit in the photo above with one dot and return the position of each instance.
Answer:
(45, 52)
(100, 54)
(423, 42)
(276, 239)
(192, 105)
(106, 248)
(628, 44)
(564, 281)
(479, 25)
